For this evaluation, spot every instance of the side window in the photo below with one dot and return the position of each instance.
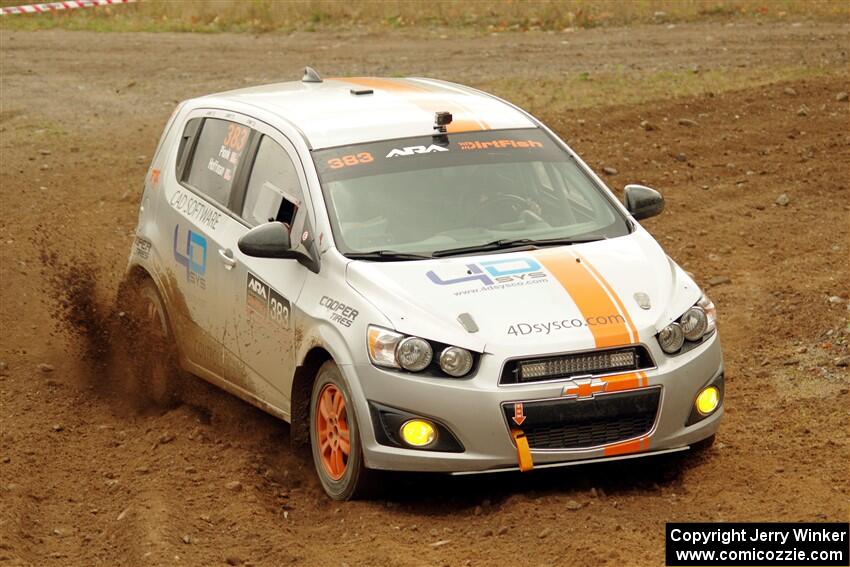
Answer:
(274, 192)
(186, 139)
(216, 157)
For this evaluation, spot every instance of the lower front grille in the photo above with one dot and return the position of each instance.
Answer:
(601, 432)
(580, 423)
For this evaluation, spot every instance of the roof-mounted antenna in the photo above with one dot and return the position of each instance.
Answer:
(311, 76)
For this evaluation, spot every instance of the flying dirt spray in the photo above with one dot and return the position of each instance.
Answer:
(126, 352)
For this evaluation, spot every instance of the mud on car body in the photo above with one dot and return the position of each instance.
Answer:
(420, 276)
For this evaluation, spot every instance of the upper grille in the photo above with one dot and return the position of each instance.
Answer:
(597, 362)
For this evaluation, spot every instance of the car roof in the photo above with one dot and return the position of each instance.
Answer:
(343, 111)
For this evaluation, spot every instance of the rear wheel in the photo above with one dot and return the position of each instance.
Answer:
(156, 363)
(335, 437)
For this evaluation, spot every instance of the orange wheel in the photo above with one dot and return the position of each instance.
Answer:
(335, 439)
(333, 432)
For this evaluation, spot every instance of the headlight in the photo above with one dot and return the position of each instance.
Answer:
(382, 344)
(395, 350)
(697, 322)
(414, 354)
(710, 313)
(455, 361)
(694, 323)
(671, 338)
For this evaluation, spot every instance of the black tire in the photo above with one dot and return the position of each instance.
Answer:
(355, 481)
(156, 366)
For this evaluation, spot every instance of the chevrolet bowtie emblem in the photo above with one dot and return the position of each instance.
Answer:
(585, 388)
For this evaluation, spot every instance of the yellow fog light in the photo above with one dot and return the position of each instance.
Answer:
(708, 400)
(418, 433)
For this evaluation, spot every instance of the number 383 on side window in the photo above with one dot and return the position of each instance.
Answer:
(236, 137)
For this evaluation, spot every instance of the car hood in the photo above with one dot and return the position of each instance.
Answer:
(584, 296)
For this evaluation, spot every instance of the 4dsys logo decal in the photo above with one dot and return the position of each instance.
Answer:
(194, 258)
(507, 272)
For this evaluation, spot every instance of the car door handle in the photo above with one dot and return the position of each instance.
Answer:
(227, 257)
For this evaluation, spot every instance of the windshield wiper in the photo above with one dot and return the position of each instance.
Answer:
(386, 255)
(505, 243)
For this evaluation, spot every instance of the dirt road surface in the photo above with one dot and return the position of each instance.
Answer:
(88, 477)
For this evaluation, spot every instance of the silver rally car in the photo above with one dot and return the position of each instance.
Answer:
(420, 276)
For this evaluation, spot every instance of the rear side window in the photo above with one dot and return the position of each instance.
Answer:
(216, 158)
(274, 192)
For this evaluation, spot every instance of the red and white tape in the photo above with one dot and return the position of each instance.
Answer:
(57, 6)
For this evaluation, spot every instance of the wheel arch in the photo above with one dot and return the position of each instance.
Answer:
(136, 273)
(302, 388)
(133, 277)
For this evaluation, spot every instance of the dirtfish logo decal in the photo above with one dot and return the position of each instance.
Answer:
(193, 256)
(411, 150)
(496, 274)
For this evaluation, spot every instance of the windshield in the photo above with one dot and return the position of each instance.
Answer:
(438, 193)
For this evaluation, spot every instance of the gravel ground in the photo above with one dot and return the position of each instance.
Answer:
(757, 191)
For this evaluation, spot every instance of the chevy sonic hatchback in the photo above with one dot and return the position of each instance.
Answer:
(420, 276)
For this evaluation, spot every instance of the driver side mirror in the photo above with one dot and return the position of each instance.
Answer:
(270, 240)
(642, 202)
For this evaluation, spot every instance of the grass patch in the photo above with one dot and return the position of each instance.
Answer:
(482, 15)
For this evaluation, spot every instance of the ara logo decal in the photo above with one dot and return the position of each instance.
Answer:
(495, 274)
(411, 150)
(266, 302)
(192, 255)
(258, 293)
(584, 389)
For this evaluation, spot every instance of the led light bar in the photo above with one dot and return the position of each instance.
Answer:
(578, 364)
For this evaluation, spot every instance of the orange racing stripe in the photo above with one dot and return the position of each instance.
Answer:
(628, 381)
(613, 295)
(463, 118)
(592, 298)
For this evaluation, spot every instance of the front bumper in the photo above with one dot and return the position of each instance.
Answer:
(472, 409)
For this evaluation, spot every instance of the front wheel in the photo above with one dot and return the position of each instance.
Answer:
(335, 437)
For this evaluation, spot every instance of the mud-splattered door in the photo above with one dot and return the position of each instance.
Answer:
(260, 330)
